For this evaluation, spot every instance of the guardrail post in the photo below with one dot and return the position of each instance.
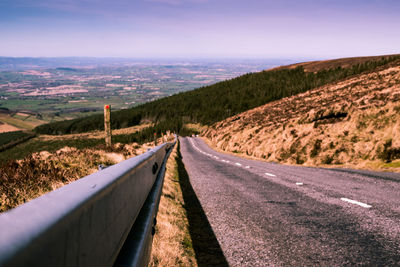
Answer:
(107, 124)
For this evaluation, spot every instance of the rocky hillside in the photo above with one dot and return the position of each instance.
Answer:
(354, 122)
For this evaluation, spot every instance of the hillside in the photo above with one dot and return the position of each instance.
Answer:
(217, 102)
(354, 122)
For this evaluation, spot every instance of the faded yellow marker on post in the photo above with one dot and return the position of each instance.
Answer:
(107, 124)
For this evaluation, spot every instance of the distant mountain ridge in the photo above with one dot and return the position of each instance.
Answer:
(315, 66)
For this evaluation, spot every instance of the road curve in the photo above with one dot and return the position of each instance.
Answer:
(268, 214)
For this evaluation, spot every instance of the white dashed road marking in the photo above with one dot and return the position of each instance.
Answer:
(223, 160)
(356, 202)
(270, 174)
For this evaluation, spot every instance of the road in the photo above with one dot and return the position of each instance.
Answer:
(268, 214)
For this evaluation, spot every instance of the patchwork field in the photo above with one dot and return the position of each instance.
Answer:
(67, 88)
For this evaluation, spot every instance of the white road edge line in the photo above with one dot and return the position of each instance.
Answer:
(356, 202)
(270, 174)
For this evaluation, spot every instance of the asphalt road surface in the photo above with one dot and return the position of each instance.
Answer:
(268, 214)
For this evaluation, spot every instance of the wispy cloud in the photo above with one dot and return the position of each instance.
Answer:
(218, 27)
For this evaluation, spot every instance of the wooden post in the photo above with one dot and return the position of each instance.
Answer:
(107, 124)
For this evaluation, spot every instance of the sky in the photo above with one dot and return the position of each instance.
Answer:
(199, 28)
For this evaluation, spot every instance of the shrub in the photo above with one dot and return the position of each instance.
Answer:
(327, 159)
(316, 148)
(389, 153)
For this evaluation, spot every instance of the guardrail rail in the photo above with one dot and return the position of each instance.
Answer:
(103, 219)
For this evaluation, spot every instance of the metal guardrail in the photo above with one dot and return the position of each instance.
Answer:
(87, 222)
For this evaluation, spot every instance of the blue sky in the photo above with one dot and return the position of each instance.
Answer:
(199, 28)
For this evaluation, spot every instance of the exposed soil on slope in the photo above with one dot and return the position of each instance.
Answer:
(355, 122)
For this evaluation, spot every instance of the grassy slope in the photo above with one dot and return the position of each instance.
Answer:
(38, 173)
(352, 123)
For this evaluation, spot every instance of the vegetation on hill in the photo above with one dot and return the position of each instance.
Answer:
(9, 139)
(214, 103)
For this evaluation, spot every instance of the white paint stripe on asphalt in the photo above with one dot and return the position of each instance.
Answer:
(356, 202)
(299, 183)
(237, 163)
(270, 174)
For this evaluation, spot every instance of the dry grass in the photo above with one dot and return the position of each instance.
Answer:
(172, 245)
(23, 180)
(354, 123)
(96, 134)
(31, 177)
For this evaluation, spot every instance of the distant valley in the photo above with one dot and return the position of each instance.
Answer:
(34, 91)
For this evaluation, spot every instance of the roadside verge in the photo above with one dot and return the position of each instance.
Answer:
(183, 234)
